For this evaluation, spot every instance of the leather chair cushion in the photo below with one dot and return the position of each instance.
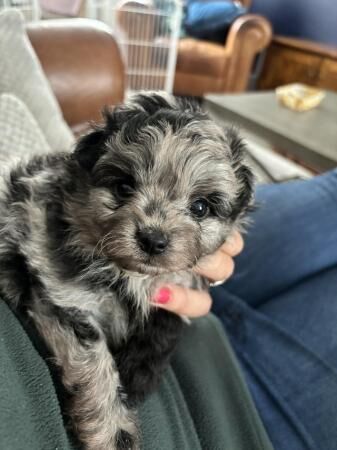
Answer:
(195, 84)
(201, 57)
(82, 62)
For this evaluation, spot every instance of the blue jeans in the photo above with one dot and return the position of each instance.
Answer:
(280, 312)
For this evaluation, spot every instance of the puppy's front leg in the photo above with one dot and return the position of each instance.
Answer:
(143, 358)
(100, 418)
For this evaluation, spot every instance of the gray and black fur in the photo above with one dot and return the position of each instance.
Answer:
(86, 237)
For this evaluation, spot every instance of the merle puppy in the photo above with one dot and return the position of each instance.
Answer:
(87, 236)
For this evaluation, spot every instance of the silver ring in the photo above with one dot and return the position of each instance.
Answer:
(217, 283)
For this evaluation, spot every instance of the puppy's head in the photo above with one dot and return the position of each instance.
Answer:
(167, 185)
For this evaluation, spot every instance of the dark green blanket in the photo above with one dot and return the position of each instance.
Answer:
(202, 402)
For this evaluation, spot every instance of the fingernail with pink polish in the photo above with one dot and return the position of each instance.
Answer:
(162, 296)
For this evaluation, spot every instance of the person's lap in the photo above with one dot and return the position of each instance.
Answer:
(280, 311)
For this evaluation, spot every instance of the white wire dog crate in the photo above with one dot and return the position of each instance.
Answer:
(148, 32)
(29, 8)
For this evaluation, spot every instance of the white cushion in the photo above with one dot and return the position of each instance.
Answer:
(21, 74)
(20, 134)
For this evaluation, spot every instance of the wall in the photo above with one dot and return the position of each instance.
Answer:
(309, 19)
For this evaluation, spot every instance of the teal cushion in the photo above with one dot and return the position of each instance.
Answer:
(30, 416)
(202, 402)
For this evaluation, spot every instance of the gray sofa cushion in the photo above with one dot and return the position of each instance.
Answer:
(20, 134)
(21, 74)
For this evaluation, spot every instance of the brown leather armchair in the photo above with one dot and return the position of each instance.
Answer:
(83, 64)
(204, 67)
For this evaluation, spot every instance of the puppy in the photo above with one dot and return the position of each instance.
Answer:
(87, 237)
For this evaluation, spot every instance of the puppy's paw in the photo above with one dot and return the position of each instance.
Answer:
(126, 441)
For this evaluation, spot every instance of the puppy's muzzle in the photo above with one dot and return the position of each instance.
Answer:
(152, 241)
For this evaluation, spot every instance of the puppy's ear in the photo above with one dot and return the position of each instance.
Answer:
(90, 148)
(243, 173)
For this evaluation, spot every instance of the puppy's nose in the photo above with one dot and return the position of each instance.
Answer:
(152, 241)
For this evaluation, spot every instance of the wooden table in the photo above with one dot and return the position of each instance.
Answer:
(309, 137)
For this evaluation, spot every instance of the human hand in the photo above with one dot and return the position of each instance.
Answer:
(216, 267)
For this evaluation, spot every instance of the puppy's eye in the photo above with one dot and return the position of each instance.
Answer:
(124, 190)
(200, 208)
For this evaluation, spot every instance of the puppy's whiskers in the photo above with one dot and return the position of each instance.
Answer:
(99, 244)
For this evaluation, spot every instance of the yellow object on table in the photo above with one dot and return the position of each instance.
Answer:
(299, 97)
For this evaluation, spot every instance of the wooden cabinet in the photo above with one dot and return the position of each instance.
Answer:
(292, 60)
(328, 75)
